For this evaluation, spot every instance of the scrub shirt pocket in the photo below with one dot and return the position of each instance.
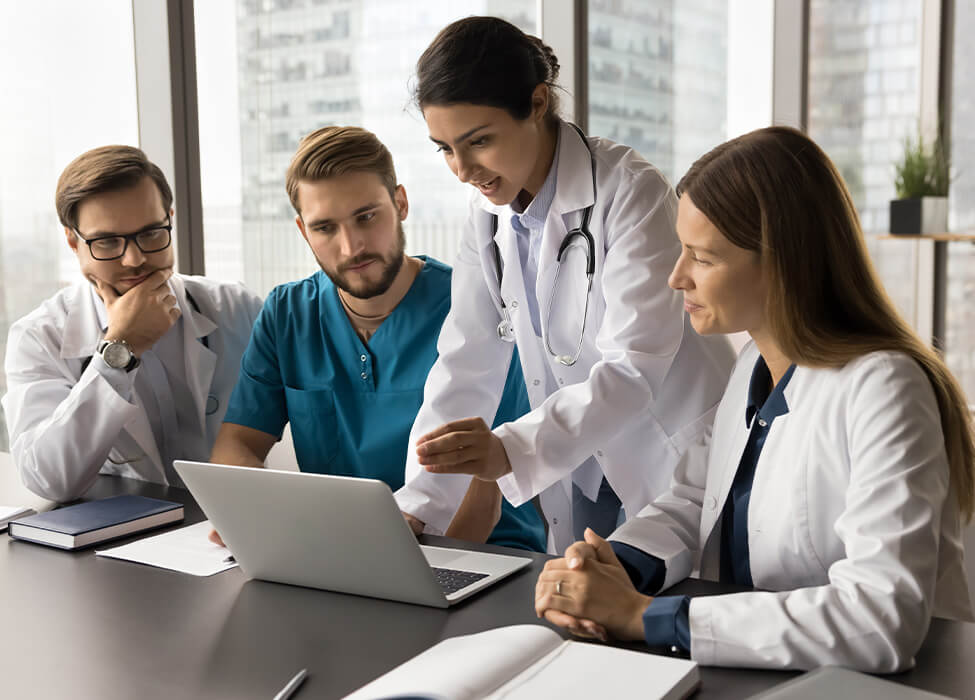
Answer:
(314, 427)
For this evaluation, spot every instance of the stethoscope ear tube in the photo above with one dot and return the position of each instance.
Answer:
(505, 327)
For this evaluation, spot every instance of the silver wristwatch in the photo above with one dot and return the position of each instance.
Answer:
(118, 355)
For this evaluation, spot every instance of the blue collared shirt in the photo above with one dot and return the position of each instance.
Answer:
(528, 226)
(666, 620)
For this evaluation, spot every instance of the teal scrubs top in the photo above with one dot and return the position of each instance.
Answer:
(351, 404)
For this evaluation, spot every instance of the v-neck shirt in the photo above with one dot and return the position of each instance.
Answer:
(351, 404)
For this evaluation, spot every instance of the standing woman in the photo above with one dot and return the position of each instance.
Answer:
(566, 253)
(841, 463)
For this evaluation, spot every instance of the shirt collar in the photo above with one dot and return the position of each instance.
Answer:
(533, 218)
(767, 403)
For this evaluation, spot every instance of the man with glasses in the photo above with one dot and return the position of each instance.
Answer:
(132, 367)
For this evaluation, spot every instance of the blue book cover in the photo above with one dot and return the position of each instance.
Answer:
(94, 522)
(96, 515)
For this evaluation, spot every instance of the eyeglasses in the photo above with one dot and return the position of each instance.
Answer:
(150, 240)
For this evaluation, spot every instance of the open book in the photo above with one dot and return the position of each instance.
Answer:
(532, 661)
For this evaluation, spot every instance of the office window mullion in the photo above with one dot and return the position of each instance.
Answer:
(168, 125)
(563, 26)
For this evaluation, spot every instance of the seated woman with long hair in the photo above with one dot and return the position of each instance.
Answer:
(840, 466)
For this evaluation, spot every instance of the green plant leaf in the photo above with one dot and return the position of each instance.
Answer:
(921, 173)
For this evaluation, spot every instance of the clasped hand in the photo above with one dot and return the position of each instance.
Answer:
(589, 593)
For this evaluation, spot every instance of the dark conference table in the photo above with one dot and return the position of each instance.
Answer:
(79, 626)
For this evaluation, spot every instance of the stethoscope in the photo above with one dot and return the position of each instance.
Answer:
(506, 330)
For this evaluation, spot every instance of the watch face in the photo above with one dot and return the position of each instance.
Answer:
(116, 355)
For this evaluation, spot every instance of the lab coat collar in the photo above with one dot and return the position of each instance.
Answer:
(195, 324)
(201, 361)
(575, 190)
(82, 326)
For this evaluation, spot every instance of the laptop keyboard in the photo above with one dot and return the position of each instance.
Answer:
(452, 580)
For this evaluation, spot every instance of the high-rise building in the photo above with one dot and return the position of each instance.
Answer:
(304, 64)
(658, 77)
(960, 321)
(864, 101)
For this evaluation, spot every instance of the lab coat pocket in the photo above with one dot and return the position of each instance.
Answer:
(313, 427)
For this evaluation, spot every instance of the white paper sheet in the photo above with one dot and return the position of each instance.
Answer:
(186, 549)
(8, 513)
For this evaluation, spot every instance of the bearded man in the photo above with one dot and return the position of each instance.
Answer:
(343, 355)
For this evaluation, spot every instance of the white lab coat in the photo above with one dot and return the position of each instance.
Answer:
(66, 426)
(645, 385)
(851, 523)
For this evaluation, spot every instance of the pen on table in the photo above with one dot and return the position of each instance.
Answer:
(288, 690)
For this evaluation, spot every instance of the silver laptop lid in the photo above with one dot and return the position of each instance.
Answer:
(332, 532)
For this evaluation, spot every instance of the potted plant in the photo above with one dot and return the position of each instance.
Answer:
(922, 189)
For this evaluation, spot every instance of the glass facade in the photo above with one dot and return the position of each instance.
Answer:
(864, 101)
(287, 67)
(59, 101)
(658, 77)
(960, 321)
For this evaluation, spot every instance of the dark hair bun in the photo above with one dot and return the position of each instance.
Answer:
(548, 58)
(486, 61)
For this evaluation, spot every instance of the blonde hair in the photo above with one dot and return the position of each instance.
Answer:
(105, 169)
(774, 191)
(337, 150)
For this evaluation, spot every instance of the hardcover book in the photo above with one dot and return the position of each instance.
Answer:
(85, 524)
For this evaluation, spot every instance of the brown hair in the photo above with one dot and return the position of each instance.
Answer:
(487, 61)
(105, 169)
(337, 150)
(774, 191)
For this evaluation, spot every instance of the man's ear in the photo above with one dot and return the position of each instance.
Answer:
(401, 202)
(72, 239)
(299, 222)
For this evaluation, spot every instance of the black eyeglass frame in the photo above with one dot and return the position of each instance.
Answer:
(130, 237)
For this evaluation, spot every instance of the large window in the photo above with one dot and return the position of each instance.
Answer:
(661, 74)
(864, 101)
(68, 76)
(270, 71)
(960, 321)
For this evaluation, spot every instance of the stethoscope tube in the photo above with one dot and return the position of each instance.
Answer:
(506, 331)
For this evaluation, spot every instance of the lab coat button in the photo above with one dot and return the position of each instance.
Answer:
(561, 381)
(555, 521)
(364, 375)
(762, 422)
(362, 358)
(599, 453)
(712, 502)
(536, 383)
(514, 304)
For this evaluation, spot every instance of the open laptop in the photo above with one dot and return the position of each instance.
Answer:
(337, 533)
